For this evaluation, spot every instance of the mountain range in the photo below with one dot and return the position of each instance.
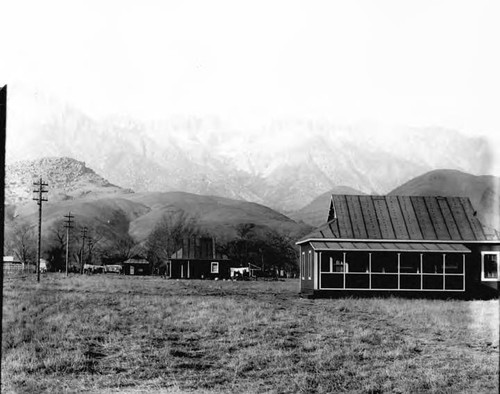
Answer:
(111, 212)
(117, 212)
(283, 164)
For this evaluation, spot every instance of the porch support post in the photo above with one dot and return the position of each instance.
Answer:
(316, 268)
(421, 271)
(463, 271)
(444, 269)
(370, 270)
(344, 269)
(399, 271)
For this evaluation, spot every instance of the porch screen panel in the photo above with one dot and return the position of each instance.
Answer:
(357, 270)
(385, 281)
(433, 282)
(454, 263)
(455, 282)
(433, 263)
(357, 281)
(332, 281)
(410, 263)
(384, 267)
(357, 262)
(410, 282)
(385, 262)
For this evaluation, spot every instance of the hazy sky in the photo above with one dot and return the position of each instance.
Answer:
(417, 63)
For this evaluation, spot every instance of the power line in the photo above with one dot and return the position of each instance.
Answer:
(68, 225)
(39, 199)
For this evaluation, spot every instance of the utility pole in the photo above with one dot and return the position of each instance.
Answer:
(39, 199)
(90, 243)
(84, 235)
(69, 225)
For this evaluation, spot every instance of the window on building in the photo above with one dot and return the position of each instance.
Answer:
(490, 266)
(214, 267)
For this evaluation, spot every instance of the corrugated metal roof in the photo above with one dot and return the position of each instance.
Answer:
(413, 218)
(390, 247)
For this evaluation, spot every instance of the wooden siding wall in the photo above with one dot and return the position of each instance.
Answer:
(473, 278)
(198, 269)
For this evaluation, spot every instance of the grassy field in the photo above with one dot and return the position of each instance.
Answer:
(106, 334)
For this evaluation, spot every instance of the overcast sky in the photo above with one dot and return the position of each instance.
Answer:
(417, 63)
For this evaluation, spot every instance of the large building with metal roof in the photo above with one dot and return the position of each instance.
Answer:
(401, 244)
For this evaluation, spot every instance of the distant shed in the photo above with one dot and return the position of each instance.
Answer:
(136, 267)
(198, 259)
(11, 265)
(401, 244)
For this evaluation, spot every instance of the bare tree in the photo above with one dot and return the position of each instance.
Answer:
(55, 246)
(168, 235)
(120, 248)
(21, 242)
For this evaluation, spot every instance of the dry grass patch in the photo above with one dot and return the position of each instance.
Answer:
(125, 334)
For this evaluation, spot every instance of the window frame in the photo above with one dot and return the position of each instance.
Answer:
(212, 265)
(497, 254)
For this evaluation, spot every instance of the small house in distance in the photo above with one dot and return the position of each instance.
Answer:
(136, 266)
(198, 259)
(11, 265)
(400, 244)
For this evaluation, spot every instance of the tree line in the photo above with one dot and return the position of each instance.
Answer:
(268, 249)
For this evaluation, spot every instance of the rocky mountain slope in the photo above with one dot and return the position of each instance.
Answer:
(67, 179)
(113, 213)
(281, 164)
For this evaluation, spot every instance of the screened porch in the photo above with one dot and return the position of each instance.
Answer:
(398, 269)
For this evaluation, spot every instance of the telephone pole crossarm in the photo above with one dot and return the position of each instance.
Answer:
(40, 199)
